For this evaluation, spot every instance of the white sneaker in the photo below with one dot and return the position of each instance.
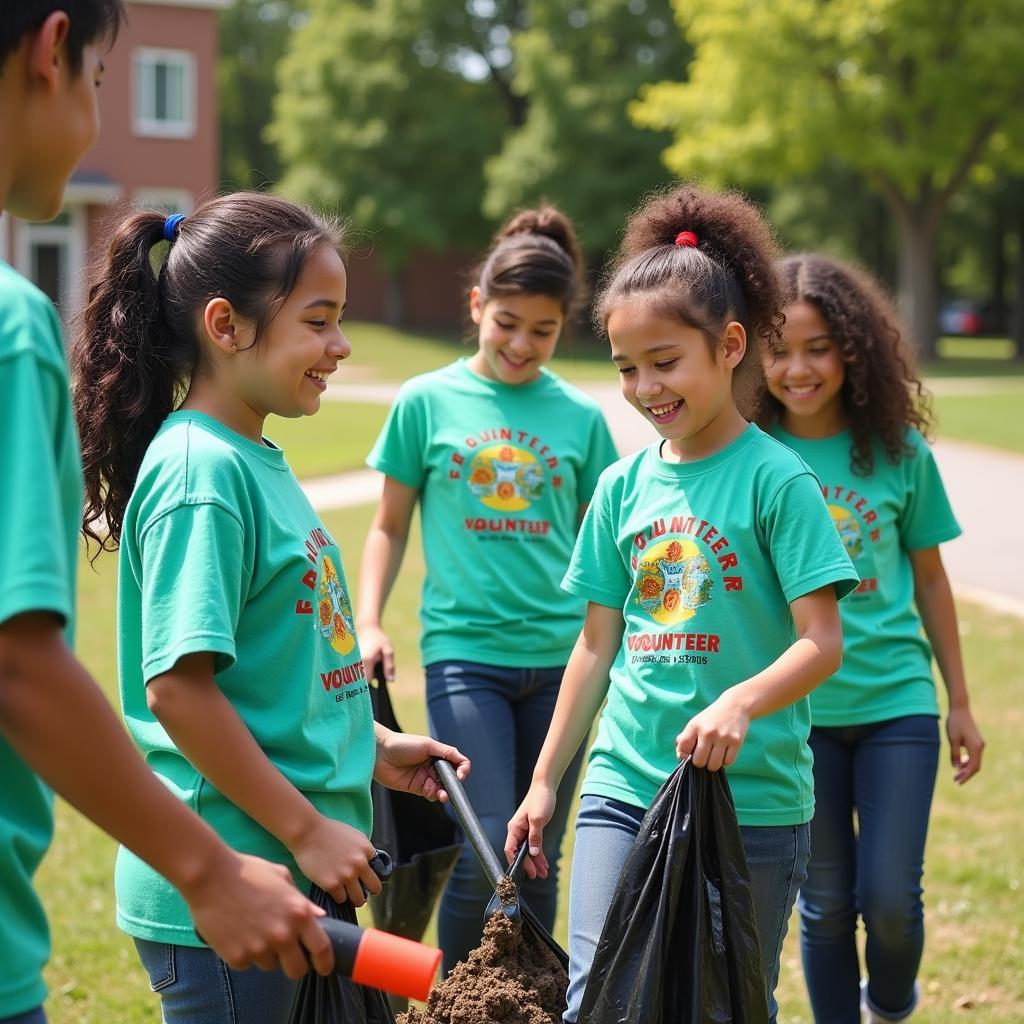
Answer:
(869, 1016)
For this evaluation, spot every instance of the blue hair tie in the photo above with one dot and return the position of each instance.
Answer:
(171, 224)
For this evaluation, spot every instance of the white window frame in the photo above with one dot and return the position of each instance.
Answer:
(143, 60)
(74, 235)
(173, 200)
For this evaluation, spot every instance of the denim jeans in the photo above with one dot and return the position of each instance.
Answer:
(605, 832)
(883, 773)
(196, 987)
(498, 717)
(36, 1016)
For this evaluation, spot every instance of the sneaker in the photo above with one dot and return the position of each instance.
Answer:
(871, 1016)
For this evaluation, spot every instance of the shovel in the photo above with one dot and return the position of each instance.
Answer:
(478, 840)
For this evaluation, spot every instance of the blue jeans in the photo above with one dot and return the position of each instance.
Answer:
(498, 717)
(196, 987)
(605, 832)
(35, 1016)
(883, 773)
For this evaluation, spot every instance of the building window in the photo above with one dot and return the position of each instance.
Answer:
(52, 255)
(165, 93)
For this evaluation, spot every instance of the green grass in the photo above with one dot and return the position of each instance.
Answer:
(336, 439)
(994, 418)
(975, 866)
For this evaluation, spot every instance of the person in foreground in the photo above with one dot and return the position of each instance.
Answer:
(56, 728)
(712, 572)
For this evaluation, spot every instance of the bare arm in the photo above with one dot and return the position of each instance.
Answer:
(584, 687)
(934, 599)
(382, 557)
(209, 732)
(54, 715)
(714, 736)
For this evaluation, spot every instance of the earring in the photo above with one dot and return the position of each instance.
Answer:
(234, 347)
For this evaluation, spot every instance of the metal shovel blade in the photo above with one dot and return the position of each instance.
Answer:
(509, 906)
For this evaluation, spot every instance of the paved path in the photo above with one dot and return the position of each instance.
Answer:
(986, 564)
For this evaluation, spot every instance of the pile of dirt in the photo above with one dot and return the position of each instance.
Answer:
(511, 977)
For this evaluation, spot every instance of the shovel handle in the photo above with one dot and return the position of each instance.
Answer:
(471, 827)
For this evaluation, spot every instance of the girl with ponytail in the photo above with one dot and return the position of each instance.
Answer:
(712, 546)
(240, 672)
(503, 457)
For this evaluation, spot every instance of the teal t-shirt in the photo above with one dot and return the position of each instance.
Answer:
(704, 559)
(222, 552)
(40, 513)
(502, 471)
(900, 507)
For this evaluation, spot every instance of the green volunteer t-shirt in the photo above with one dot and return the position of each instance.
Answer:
(40, 512)
(901, 507)
(222, 552)
(502, 471)
(704, 559)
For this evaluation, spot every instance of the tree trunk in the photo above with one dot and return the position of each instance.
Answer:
(918, 298)
(1017, 314)
(394, 303)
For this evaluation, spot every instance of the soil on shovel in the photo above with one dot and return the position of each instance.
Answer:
(511, 978)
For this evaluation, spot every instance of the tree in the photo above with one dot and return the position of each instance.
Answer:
(579, 65)
(371, 119)
(912, 94)
(253, 35)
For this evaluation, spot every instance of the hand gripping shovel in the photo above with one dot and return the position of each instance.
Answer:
(493, 869)
(477, 838)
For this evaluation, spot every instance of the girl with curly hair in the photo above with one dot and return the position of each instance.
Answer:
(752, 623)
(503, 457)
(843, 394)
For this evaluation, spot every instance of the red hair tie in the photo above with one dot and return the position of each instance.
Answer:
(687, 240)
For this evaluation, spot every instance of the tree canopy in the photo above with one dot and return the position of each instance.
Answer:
(912, 94)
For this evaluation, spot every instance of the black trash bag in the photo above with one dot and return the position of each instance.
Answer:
(336, 999)
(679, 945)
(421, 838)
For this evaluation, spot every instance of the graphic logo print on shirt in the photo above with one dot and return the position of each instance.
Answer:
(336, 623)
(849, 530)
(506, 478)
(673, 580)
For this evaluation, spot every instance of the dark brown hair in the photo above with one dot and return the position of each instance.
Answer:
(882, 395)
(136, 347)
(534, 253)
(729, 275)
(89, 21)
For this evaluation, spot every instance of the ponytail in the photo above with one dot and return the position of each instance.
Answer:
(136, 348)
(535, 252)
(130, 370)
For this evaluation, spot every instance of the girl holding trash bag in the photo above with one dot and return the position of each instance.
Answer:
(845, 397)
(503, 457)
(712, 572)
(240, 673)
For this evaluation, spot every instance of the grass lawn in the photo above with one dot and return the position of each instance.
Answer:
(993, 417)
(975, 864)
(337, 438)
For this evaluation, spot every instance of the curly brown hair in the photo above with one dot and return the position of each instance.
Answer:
(882, 395)
(535, 252)
(728, 275)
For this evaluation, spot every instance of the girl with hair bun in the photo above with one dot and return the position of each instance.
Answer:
(712, 547)
(240, 673)
(844, 395)
(503, 457)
